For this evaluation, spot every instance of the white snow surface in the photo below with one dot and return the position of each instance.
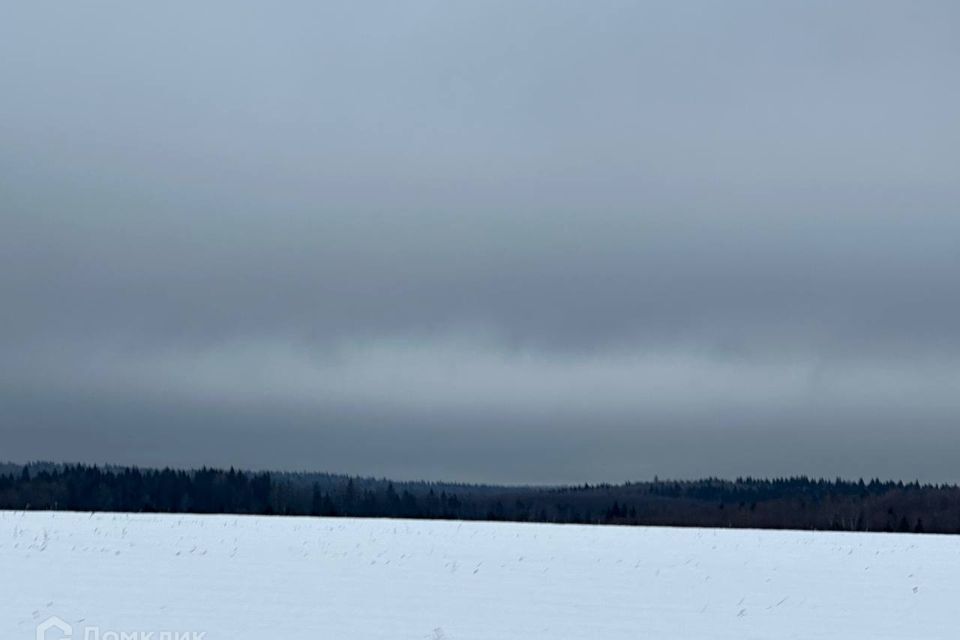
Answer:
(238, 577)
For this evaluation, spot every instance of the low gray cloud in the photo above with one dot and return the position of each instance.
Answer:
(495, 242)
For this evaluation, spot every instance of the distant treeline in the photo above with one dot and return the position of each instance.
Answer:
(783, 503)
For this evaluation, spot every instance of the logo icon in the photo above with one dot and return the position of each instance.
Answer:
(53, 622)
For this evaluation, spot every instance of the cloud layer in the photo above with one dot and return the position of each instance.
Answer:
(496, 242)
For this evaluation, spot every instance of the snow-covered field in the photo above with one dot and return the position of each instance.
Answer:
(275, 578)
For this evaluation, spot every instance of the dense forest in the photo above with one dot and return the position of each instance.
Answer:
(786, 503)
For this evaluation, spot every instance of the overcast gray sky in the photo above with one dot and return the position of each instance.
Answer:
(489, 241)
